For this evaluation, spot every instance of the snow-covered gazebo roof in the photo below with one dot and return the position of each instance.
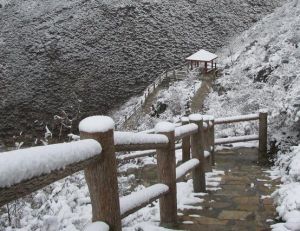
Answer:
(202, 56)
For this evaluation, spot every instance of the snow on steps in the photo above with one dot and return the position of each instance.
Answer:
(139, 199)
(24, 164)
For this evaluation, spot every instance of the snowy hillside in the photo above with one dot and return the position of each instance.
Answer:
(55, 53)
(261, 70)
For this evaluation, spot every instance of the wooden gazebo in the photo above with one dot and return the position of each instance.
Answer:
(203, 56)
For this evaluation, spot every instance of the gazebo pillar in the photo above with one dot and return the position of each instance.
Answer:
(205, 67)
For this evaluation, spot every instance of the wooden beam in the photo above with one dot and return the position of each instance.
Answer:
(26, 187)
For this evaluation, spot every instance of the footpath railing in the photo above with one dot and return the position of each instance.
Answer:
(168, 74)
(27, 170)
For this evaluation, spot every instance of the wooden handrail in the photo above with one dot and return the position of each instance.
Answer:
(235, 119)
(38, 181)
(236, 139)
(102, 169)
(129, 141)
(185, 130)
(137, 200)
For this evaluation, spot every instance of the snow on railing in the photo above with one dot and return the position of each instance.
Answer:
(186, 167)
(185, 130)
(233, 119)
(129, 141)
(27, 170)
(139, 199)
(236, 139)
(24, 164)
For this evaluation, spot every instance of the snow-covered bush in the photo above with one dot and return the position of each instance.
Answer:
(287, 196)
(261, 71)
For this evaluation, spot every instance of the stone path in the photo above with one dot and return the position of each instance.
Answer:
(241, 203)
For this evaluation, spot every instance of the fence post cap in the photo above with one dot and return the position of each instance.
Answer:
(95, 124)
(164, 127)
(195, 117)
(263, 110)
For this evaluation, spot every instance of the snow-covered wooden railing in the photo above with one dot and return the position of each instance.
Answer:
(262, 136)
(235, 119)
(27, 170)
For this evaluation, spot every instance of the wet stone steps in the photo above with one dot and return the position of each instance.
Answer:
(242, 200)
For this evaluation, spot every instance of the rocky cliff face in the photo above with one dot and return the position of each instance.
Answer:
(54, 53)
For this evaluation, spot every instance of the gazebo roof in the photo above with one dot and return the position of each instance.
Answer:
(202, 56)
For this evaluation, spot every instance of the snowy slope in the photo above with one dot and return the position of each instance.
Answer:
(287, 196)
(261, 69)
(55, 52)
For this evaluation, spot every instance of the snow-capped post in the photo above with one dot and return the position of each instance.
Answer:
(101, 177)
(207, 140)
(166, 162)
(198, 153)
(186, 143)
(263, 137)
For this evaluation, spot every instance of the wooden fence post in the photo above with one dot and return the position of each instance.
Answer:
(166, 162)
(198, 153)
(101, 177)
(212, 141)
(186, 143)
(206, 138)
(263, 137)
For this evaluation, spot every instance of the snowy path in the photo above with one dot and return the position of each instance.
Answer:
(241, 201)
(237, 198)
(199, 97)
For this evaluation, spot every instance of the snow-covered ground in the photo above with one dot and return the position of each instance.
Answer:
(175, 96)
(287, 197)
(261, 70)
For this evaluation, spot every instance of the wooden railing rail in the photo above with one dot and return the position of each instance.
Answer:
(15, 182)
(100, 163)
(235, 119)
(129, 141)
(262, 137)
